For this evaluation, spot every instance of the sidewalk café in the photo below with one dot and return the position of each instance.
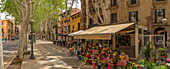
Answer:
(122, 36)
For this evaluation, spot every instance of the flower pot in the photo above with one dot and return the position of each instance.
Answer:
(90, 62)
(79, 58)
(109, 67)
(99, 66)
(94, 65)
(82, 58)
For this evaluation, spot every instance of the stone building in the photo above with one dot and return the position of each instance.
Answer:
(147, 13)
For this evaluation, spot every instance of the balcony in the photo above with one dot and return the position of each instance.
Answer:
(133, 3)
(160, 1)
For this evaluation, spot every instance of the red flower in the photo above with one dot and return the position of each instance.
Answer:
(132, 65)
(126, 64)
(139, 67)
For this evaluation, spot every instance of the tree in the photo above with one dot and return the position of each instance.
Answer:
(99, 8)
(66, 14)
(22, 11)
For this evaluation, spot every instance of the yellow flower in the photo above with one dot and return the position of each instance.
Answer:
(133, 63)
(114, 54)
(130, 62)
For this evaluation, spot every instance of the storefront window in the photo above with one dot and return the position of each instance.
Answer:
(123, 40)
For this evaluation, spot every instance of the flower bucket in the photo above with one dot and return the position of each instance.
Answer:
(109, 67)
(94, 65)
(99, 66)
(82, 58)
(79, 57)
(89, 61)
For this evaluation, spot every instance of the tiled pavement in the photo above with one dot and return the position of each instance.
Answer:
(50, 56)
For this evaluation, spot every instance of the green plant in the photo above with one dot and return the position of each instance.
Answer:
(161, 49)
(147, 51)
(141, 61)
(153, 52)
(150, 65)
(162, 67)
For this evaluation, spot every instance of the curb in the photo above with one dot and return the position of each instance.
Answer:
(9, 61)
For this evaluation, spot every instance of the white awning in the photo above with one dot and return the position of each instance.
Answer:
(71, 34)
(102, 32)
(109, 29)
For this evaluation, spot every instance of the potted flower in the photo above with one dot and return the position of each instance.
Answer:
(122, 56)
(109, 64)
(99, 64)
(168, 63)
(94, 63)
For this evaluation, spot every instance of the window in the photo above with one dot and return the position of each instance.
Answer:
(2, 23)
(113, 2)
(91, 21)
(114, 18)
(2, 30)
(78, 15)
(65, 21)
(133, 1)
(78, 26)
(159, 15)
(72, 18)
(73, 29)
(133, 16)
(68, 28)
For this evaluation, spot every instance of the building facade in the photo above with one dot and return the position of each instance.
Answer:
(62, 26)
(75, 22)
(7, 29)
(148, 13)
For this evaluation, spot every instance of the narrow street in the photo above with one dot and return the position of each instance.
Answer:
(9, 48)
(50, 56)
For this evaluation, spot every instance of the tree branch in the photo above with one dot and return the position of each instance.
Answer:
(20, 3)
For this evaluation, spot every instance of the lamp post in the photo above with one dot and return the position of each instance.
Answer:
(164, 21)
(32, 53)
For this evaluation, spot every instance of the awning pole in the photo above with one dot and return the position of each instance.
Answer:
(114, 41)
(136, 41)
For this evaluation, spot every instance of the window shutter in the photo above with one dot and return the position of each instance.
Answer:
(155, 16)
(136, 15)
(163, 13)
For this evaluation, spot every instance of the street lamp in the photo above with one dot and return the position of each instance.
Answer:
(164, 21)
(32, 54)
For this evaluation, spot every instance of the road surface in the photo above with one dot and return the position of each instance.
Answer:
(9, 48)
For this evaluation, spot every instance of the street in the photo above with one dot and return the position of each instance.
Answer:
(9, 48)
(50, 56)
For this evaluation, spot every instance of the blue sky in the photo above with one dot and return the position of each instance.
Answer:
(78, 6)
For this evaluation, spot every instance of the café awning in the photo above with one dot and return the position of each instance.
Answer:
(71, 34)
(102, 32)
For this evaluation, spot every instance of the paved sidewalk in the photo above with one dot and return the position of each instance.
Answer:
(50, 56)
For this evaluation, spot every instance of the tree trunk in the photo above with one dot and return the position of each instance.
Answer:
(22, 39)
(24, 24)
